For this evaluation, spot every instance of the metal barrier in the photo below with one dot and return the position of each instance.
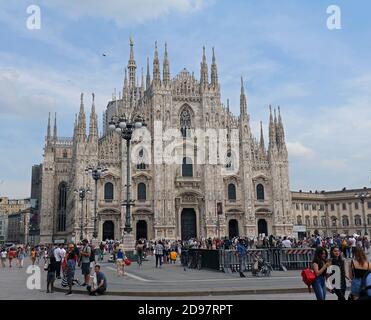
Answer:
(279, 258)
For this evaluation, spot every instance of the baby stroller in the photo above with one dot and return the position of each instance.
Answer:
(261, 267)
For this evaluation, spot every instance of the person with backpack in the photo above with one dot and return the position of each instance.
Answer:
(358, 269)
(85, 261)
(337, 260)
(320, 266)
(139, 249)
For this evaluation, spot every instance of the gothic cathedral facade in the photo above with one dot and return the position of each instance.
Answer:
(245, 191)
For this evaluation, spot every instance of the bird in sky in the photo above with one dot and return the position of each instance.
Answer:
(103, 54)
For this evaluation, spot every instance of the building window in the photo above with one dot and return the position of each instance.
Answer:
(187, 167)
(356, 205)
(333, 221)
(323, 222)
(297, 206)
(260, 192)
(344, 206)
(369, 219)
(306, 207)
(345, 221)
(357, 220)
(369, 204)
(307, 221)
(321, 207)
(332, 207)
(299, 221)
(314, 207)
(231, 192)
(64, 153)
(315, 221)
(142, 192)
(108, 192)
(62, 206)
(185, 123)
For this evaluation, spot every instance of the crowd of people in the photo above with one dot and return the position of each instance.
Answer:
(60, 261)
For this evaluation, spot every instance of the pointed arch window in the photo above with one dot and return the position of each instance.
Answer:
(185, 123)
(142, 192)
(108, 192)
(62, 206)
(187, 167)
(260, 192)
(231, 192)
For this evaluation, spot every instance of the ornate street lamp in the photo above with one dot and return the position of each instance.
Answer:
(363, 196)
(125, 127)
(96, 173)
(82, 192)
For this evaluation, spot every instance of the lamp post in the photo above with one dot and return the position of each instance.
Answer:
(96, 173)
(363, 196)
(82, 192)
(125, 127)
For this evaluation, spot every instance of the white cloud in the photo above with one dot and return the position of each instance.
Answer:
(125, 12)
(297, 149)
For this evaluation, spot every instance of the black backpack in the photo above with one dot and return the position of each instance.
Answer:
(364, 287)
(92, 255)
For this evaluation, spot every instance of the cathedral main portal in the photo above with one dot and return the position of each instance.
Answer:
(188, 224)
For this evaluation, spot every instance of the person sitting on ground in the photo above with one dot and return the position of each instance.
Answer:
(101, 285)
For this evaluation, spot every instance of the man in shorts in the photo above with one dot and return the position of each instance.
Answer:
(85, 261)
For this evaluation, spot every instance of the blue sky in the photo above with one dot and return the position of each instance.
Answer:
(321, 78)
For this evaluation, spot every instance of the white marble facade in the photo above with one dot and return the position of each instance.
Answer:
(172, 200)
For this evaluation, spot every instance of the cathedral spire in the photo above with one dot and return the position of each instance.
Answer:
(262, 146)
(166, 69)
(243, 103)
(156, 67)
(142, 88)
(204, 79)
(55, 137)
(148, 77)
(82, 121)
(272, 130)
(93, 127)
(132, 65)
(280, 130)
(214, 72)
(48, 133)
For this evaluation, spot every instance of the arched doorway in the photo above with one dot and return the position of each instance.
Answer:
(233, 228)
(108, 230)
(142, 229)
(262, 226)
(188, 224)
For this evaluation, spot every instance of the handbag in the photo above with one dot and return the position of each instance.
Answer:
(64, 282)
(127, 262)
(46, 265)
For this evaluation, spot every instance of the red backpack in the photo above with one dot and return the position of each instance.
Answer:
(308, 277)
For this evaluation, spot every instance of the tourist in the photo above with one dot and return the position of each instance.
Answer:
(139, 249)
(353, 245)
(21, 256)
(173, 255)
(159, 252)
(359, 266)
(286, 243)
(85, 261)
(33, 255)
(337, 260)
(50, 278)
(241, 250)
(58, 259)
(320, 268)
(366, 244)
(11, 256)
(70, 269)
(120, 266)
(101, 282)
(3, 256)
